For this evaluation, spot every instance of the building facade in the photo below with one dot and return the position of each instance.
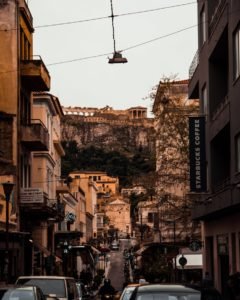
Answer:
(214, 79)
(20, 135)
(171, 108)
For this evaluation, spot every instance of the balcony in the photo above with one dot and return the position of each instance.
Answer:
(26, 12)
(194, 64)
(35, 136)
(225, 199)
(193, 91)
(35, 75)
(216, 16)
(35, 203)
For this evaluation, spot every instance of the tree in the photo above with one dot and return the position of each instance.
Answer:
(114, 163)
(171, 108)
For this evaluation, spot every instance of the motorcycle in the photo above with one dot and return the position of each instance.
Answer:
(107, 297)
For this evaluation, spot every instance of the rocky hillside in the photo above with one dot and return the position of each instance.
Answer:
(123, 149)
(124, 138)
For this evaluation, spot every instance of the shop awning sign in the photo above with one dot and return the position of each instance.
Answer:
(197, 154)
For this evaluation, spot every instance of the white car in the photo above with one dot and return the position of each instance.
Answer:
(115, 246)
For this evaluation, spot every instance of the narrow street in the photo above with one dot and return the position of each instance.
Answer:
(116, 266)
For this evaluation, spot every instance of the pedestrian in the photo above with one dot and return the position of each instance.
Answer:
(106, 289)
(142, 280)
(234, 286)
(207, 280)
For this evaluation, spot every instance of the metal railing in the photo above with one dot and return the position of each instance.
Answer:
(193, 65)
(216, 16)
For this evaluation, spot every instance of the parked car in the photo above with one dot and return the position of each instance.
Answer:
(115, 245)
(128, 290)
(63, 288)
(21, 293)
(165, 292)
(207, 292)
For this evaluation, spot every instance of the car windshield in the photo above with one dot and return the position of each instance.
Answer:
(166, 296)
(48, 286)
(17, 294)
(127, 293)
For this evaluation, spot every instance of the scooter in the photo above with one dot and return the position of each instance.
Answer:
(107, 297)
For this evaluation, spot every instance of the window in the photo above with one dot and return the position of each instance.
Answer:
(237, 143)
(25, 46)
(202, 27)
(236, 53)
(150, 217)
(1, 209)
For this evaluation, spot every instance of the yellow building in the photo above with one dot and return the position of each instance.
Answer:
(86, 180)
(20, 75)
(39, 202)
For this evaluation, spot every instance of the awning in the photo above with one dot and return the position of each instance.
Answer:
(46, 251)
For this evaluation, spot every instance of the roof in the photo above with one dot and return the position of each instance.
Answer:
(117, 202)
(166, 288)
(44, 277)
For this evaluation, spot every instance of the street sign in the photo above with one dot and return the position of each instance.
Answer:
(195, 245)
(182, 261)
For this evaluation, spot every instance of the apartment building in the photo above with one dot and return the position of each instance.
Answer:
(214, 79)
(34, 216)
(20, 75)
(86, 180)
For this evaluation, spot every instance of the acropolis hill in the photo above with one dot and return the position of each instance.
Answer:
(108, 128)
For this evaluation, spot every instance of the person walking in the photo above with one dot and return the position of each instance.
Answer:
(107, 290)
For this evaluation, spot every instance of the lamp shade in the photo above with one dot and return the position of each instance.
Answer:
(117, 59)
(7, 188)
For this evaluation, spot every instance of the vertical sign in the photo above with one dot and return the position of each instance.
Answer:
(197, 154)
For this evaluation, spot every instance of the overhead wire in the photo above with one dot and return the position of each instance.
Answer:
(126, 49)
(107, 17)
(112, 16)
(118, 15)
(109, 53)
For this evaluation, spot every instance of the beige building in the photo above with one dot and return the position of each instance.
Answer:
(171, 108)
(118, 212)
(86, 180)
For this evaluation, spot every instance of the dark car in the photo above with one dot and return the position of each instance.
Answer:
(207, 293)
(21, 293)
(165, 292)
(63, 288)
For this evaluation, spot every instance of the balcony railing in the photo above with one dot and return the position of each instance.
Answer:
(216, 16)
(225, 183)
(193, 65)
(221, 106)
(35, 201)
(35, 136)
(35, 74)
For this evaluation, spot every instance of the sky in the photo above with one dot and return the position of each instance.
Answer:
(75, 40)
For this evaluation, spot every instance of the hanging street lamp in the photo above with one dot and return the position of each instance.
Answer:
(117, 56)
